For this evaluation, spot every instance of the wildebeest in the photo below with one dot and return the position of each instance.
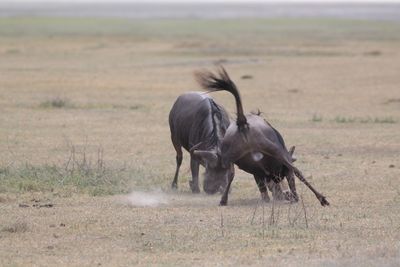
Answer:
(253, 144)
(198, 124)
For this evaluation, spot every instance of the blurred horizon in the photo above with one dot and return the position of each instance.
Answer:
(202, 10)
(206, 1)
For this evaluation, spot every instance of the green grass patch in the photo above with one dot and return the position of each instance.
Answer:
(62, 103)
(316, 118)
(349, 119)
(316, 29)
(12, 51)
(77, 175)
(342, 119)
(56, 103)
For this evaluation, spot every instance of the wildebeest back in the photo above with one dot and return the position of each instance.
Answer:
(195, 118)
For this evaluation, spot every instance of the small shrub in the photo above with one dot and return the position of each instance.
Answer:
(392, 100)
(385, 120)
(316, 118)
(18, 227)
(246, 77)
(373, 53)
(56, 103)
(135, 107)
(4, 170)
(293, 90)
(340, 119)
(13, 51)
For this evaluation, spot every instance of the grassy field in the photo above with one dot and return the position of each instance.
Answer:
(83, 123)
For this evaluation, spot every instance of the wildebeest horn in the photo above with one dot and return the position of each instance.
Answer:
(291, 151)
(196, 146)
(209, 156)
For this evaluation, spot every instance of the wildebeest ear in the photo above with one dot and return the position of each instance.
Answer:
(210, 157)
(291, 151)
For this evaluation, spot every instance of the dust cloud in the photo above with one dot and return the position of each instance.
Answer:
(147, 199)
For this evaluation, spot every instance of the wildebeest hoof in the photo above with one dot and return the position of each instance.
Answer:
(223, 203)
(323, 201)
(265, 197)
(174, 186)
(195, 188)
(289, 196)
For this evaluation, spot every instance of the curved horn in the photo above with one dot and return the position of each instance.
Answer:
(196, 146)
(209, 156)
(291, 151)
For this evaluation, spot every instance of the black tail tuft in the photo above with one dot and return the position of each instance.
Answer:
(221, 82)
(212, 82)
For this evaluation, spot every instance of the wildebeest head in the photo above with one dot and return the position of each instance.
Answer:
(216, 175)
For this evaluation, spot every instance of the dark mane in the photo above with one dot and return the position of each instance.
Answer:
(220, 122)
(223, 123)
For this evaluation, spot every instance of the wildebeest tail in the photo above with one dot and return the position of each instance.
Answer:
(221, 82)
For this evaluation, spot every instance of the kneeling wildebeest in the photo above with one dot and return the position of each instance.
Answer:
(253, 144)
(198, 124)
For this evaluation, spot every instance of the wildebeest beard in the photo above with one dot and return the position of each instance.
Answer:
(215, 180)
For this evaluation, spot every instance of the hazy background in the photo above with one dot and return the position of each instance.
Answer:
(195, 9)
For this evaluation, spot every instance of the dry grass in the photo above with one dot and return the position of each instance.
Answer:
(17, 227)
(117, 84)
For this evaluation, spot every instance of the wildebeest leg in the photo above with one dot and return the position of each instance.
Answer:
(224, 198)
(275, 189)
(320, 197)
(292, 186)
(260, 181)
(270, 148)
(179, 157)
(194, 184)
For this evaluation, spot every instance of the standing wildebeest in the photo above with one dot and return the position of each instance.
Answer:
(198, 124)
(253, 144)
